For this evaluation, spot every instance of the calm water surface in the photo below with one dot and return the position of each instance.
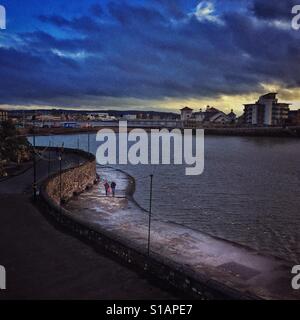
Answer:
(249, 192)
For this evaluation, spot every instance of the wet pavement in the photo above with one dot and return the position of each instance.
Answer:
(230, 264)
(43, 262)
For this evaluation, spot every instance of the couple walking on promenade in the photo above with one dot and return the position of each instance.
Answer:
(110, 188)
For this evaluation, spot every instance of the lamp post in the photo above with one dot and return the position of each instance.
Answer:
(49, 159)
(78, 146)
(34, 162)
(150, 212)
(60, 174)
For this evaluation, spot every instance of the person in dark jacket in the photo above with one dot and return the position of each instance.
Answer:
(113, 188)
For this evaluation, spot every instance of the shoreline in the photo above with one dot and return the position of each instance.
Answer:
(276, 132)
(237, 271)
(131, 192)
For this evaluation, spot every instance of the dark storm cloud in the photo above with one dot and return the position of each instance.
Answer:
(82, 24)
(96, 10)
(151, 51)
(274, 10)
(172, 8)
(128, 14)
(59, 21)
(34, 40)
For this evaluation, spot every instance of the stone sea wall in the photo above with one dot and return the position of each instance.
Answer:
(288, 132)
(153, 266)
(74, 180)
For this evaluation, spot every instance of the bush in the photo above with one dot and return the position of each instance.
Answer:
(13, 148)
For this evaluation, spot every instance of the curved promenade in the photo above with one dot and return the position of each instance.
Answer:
(195, 263)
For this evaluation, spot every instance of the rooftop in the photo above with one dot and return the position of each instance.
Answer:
(271, 95)
(186, 109)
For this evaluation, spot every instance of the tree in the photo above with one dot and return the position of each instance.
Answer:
(13, 148)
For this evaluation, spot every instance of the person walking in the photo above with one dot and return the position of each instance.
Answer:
(106, 186)
(113, 188)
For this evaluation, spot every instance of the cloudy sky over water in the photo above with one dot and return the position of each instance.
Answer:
(151, 54)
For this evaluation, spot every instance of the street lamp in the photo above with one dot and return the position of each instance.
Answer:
(60, 174)
(150, 212)
(49, 159)
(34, 162)
(78, 147)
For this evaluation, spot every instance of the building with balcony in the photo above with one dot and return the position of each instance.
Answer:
(210, 116)
(267, 111)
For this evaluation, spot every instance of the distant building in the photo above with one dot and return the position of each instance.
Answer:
(232, 118)
(186, 113)
(71, 125)
(46, 117)
(129, 117)
(3, 116)
(142, 116)
(211, 115)
(103, 116)
(199, 116)
(91, 117)
(266, 111)
(294, 118)
(98, 116)
(214, 115)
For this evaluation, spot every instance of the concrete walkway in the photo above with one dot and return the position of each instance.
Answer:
(229, 264)
(43, 263)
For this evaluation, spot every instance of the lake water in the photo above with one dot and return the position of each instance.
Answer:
(249, 192)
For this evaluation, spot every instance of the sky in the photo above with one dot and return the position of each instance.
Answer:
(147, 54)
